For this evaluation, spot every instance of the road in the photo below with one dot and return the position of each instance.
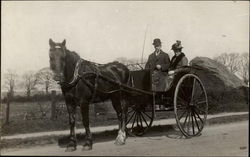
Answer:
(216, 140)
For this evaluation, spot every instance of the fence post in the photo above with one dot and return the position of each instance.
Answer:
(8, 108)
(53, 104)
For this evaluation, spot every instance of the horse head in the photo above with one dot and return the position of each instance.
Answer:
(57, 55)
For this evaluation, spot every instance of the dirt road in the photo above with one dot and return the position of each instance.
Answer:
(217, 140)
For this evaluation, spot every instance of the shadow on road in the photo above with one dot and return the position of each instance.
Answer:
(170, 131)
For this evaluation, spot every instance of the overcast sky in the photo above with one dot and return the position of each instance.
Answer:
(103, 31)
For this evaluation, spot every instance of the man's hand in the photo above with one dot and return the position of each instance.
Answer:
(158, 67)
(171, 72)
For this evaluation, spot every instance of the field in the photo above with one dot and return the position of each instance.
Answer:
(36, 116)
(28, 117)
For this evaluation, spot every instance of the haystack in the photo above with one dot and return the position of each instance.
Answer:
(224, 89)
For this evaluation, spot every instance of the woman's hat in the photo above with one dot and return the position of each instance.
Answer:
(177, 45)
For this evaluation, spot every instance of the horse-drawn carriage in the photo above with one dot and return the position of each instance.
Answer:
(186, 96)
(130, 93)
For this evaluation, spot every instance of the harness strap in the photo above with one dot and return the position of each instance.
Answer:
(95, 87)
(76, 72)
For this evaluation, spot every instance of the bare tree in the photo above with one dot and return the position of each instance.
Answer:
(45, 78)
(29, 82)
(10, 78)
(230, 60)
(244, 67)
(222, 58)
(233, 62)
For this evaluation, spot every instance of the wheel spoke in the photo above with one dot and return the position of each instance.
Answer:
(196, 122)
(147, 115)
(141, 119)
(183, 102)
(182, 114)
(188, 122)
(144, 120)
(130, 111)
(201, 102)
(198, 116)
(181, 106)
(184, 123)
(130, 118)
(192, 122)
(193, 90)
(134, 121)
(183, 92)
(137, 119)
(200, 109)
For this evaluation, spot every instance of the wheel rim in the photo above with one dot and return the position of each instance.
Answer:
(190, 105)
(139, 119)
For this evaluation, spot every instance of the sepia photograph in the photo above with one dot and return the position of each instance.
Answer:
(124, 78)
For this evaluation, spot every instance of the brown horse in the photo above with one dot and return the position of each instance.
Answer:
(68, 67)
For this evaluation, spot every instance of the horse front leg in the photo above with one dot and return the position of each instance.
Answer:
(85, 119)
(72, 114)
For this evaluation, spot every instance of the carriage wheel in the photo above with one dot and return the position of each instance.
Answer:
(190, 105)
(139, 119)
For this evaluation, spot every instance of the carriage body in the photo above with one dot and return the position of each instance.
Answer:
(186, 96)
(141, 79)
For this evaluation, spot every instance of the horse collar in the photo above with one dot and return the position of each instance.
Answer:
(76, 72)
(74, 78)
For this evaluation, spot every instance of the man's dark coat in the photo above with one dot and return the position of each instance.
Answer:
(158, 76)
(162, 59)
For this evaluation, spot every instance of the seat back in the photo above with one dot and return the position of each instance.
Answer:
(141, 79)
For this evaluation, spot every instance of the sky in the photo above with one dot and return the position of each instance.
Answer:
(103, 31)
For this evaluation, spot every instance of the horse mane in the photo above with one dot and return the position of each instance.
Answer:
(71, 59)
(76, 56)
(73, 54)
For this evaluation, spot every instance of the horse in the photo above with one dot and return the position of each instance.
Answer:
(68, 68)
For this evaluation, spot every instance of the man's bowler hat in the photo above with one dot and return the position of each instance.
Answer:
(157, 42)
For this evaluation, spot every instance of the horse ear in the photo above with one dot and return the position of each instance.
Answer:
(51, 43)
(64, 42)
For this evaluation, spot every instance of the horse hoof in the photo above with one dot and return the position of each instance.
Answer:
(70, 149)
(119, 142)
(86, 148)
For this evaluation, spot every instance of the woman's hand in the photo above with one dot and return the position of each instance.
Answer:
(158, 67)
(171, 72)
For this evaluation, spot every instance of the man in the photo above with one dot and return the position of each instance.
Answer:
(158, 63)
(179, 59)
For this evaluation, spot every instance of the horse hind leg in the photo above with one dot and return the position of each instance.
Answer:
(120, 109)
(117, 106)
(85, 119)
